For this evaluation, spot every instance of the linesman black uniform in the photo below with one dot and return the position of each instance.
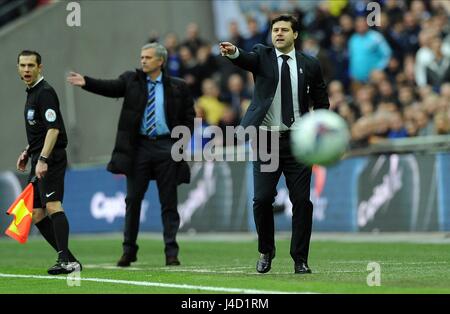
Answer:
(42, 113)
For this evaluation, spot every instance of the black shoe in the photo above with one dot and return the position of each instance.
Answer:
(302, 268)
(126, 259)
(172, 261)
(265, 262)
(62, 267)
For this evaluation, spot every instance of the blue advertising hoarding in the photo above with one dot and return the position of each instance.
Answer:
(333, 194)
(443, 190)
(95, 202)
(408, 192)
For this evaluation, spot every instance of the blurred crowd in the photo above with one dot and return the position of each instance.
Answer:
(388, 81)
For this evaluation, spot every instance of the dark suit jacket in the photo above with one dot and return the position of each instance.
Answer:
(132, 86)
(262, 62)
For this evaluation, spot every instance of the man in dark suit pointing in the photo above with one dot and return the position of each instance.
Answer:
(154, 103)
(285, 82)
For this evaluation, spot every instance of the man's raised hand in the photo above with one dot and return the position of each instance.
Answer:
(76, 79)
(227, 48)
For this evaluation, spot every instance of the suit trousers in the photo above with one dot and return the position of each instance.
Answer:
(298, 180)
(153, 161)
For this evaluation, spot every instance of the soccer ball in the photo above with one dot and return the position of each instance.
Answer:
(320, 137)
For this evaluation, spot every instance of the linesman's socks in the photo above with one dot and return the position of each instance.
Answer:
(48, 230)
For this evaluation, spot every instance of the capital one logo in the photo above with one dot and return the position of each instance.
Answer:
(112, 207)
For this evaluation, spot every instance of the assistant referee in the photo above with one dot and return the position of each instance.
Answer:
(47, 142)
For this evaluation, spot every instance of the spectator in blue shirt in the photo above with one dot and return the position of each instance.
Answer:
(397, 126)
(368, 51)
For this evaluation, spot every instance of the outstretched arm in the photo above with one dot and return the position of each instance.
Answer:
(76, 79)
(246, 60)
(227, 49)
(108, 88)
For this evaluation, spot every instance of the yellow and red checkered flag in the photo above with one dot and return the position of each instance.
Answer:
(22, 209)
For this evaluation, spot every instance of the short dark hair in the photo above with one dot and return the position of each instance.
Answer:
(30, 53)
(286, 18)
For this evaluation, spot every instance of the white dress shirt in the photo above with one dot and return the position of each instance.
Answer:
(273, 120)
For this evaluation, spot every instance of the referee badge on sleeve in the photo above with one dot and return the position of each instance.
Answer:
(50, 115)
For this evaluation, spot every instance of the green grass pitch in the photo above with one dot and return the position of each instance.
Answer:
(226, 264)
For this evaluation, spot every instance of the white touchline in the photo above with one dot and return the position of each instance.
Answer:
(226, 270)
(158, 284)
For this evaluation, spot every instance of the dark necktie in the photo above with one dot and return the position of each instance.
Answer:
(287, 106)
(150, 112)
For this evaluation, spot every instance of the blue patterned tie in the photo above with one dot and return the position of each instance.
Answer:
(150, 112)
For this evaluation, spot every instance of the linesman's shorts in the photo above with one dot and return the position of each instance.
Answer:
(50, 188)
